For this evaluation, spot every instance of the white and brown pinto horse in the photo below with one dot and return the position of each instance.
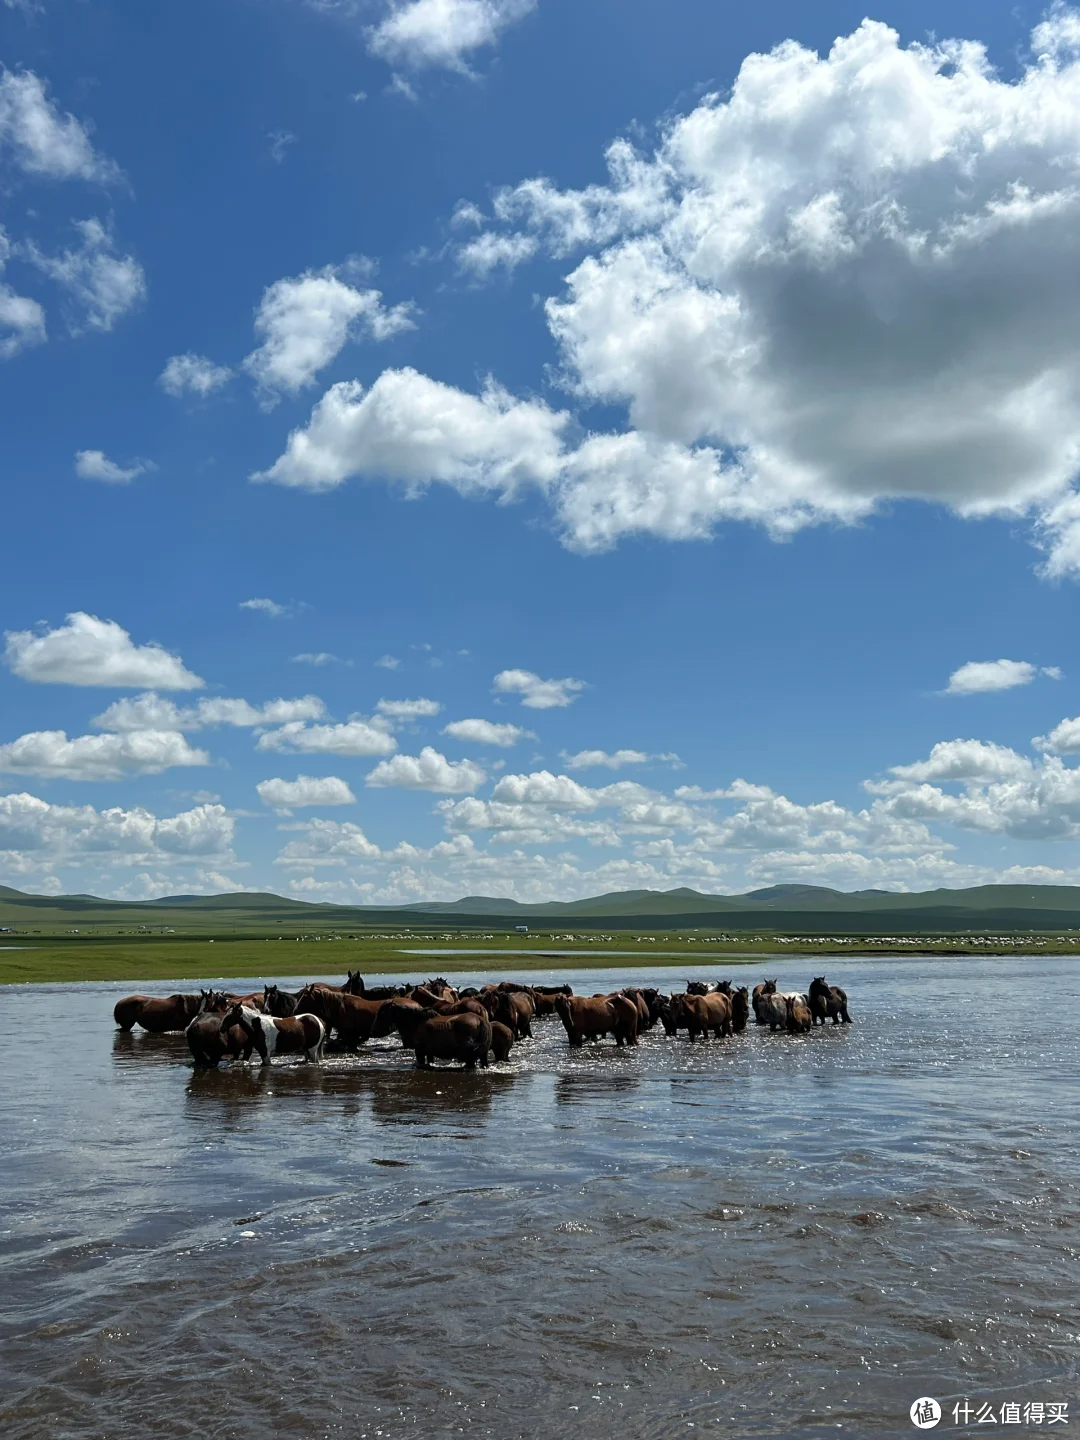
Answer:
(272, 1035)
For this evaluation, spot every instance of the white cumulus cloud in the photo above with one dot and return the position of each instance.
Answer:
(305, 321)
(89, 651)
(966, 760)
(615, 760)
(22, 320)
(487, 732)
(491, 251)
(803, 310)
(414, 430)
(406, 710)
(537, 694)
(104, 285)
(35, 835)
(51, 755)
(43, 140)
(155, 712)
(289, 795)
(1063, 739)
(328, 842)
(979, 676)
(357, 736)
(428, 771)
(192, 375)
(96, 465)
(422, 33)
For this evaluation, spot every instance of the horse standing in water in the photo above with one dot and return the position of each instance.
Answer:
(272, 1036)
(279, 1003)
(159, 1016)
(828, 1002)
(208, 1042)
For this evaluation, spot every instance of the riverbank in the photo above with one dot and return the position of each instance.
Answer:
(46, 959)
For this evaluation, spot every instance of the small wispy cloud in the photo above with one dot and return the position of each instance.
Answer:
(281, 142)
(96, 465)
(318, 657)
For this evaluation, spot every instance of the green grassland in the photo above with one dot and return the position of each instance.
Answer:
(51, 956)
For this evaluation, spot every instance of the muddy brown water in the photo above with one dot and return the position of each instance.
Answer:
(765, 1236)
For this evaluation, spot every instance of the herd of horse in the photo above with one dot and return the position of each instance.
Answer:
(469, 1026)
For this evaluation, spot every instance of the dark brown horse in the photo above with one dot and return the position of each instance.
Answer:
(439, 1037)
(208, 1043)
(512, 1008)
(354, 985)
(740, 1009)
(828, 1002)
(502, 1040)
(278, 1002)
(350, 1016)
(159, 1016)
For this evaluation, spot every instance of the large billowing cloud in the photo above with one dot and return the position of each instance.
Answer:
(89, 651)
(849, 279)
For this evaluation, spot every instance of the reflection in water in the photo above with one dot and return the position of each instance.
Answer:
(767, 1235)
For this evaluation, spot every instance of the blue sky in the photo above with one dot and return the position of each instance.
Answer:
(678, 404)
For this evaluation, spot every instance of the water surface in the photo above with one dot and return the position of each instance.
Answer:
(764, 1236)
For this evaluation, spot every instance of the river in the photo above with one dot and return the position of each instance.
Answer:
(769, 1235)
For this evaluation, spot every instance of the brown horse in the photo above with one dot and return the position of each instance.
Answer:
(271, 1036)
(444, 1037)
(159, 1016)
(206, 1040)
(598, 1015)
(828, 1002)
(799, 1017)
(512, 1008)
(350, 1016)
(705, 1013)
(766, 988)
(502, 1040)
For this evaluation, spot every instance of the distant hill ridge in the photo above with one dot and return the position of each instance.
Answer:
(799, 907)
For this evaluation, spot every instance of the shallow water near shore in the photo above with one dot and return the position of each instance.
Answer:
(770, 1235)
